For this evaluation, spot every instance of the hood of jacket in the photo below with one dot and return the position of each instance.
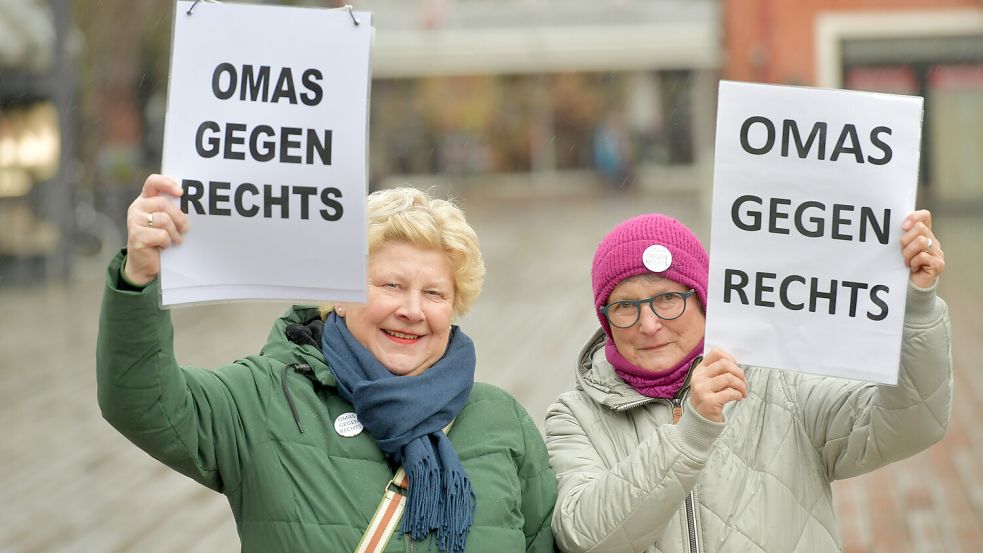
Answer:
(295, 339)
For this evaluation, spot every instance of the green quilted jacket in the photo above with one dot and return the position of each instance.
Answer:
(233, 430)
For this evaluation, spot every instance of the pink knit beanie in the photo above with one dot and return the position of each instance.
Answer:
(638, 246)
(659, 245)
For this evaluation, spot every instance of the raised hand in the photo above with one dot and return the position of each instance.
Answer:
(921, 249)
(153, 223)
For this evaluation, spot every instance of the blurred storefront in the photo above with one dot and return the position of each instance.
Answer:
(945, 66)
(523, 93)
(36, 222)
(544, 93)
(928, 48)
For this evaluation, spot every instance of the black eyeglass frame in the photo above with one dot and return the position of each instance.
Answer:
(650, 301)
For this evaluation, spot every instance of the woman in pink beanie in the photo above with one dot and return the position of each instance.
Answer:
(664, 448)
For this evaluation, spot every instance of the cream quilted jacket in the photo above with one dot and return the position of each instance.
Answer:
(631, 481)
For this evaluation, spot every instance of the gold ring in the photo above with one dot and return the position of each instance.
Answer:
(150, 220)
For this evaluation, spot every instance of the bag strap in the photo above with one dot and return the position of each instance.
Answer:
(389, 512)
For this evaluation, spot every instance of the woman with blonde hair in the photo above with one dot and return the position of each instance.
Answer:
(306, 437)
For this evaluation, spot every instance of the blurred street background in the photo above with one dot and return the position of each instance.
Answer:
(548, 120)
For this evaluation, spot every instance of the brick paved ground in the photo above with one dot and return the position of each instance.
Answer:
(69, 483)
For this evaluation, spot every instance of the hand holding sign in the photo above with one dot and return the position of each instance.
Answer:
(153, 223)
(921, 249)
(716, 381)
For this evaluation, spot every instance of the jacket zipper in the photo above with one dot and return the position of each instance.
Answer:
(694, 546)
(676, 405)
(630, 406)
(677, 409)
(690, 502)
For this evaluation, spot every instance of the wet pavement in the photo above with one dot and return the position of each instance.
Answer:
(70, 483)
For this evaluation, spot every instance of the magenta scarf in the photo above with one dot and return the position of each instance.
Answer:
(664, 384)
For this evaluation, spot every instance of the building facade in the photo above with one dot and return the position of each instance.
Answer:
(928, 48)
(549, 93)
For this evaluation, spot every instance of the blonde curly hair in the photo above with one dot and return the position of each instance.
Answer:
(405, 214)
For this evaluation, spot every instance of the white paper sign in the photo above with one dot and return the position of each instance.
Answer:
(266, 132)
(810, 190)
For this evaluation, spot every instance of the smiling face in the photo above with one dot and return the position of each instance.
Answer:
(652, 343)
(406, 320)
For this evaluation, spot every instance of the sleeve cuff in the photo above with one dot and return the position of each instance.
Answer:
(922, 305)
(116, 278)
(696, 432)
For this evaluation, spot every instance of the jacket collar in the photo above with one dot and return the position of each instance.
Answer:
(596, 377)
(279, 347)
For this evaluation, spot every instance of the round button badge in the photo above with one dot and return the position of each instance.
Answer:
(657, 258)
(347, 425)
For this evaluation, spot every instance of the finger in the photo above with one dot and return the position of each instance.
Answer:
(142, 234)
(178, 217)
(916, 231)
(153, 203)
(149, 238)
(717, 354)
(730, 394)
(728, 381)
(923, 216)
(161, 220)
(155, 185)
(170, 211)
(139, 212)
(930, 263)
(918, 245)
(923, 251)
(712, 407)
(163, 206)
(919, 238)
(723, 366)
(708, 389)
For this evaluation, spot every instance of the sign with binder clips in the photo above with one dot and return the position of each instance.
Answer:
(266, 132)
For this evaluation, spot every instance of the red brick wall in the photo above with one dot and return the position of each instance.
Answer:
(771, 41)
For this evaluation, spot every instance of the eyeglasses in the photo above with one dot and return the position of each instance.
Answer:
(666, 306)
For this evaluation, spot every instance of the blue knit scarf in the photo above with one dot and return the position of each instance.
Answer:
(406, 416)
